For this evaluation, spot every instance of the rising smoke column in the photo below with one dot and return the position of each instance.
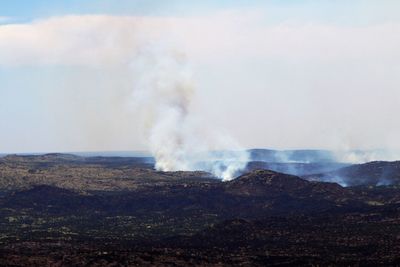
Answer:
(163, 89)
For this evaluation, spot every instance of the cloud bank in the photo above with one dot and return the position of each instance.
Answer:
(286, 85)
(98, 40)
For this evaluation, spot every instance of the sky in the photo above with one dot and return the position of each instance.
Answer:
(272, 74)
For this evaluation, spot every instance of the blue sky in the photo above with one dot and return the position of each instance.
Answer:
(40, 8)
(339, 11)
(325, 67)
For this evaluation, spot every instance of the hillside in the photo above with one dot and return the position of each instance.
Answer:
(85, 173)
(66, 210)
(368, 174)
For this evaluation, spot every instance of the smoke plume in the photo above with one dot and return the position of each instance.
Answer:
(163, 88)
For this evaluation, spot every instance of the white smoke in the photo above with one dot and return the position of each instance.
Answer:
(363, 156)
(163, 88)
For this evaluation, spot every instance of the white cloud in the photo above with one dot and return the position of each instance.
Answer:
(101, 40)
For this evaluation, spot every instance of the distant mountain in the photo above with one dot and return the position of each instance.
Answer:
(299, 156)
(295, 168)
(295, 162)
(144, 154)
(370, 174)
(52, 157)
(138, 153)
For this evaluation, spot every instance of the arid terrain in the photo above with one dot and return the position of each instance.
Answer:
(67, 210)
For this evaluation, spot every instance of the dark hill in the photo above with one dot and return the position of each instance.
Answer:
(265, 183)
(254, 195)
(295, 168)
(370, 174)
